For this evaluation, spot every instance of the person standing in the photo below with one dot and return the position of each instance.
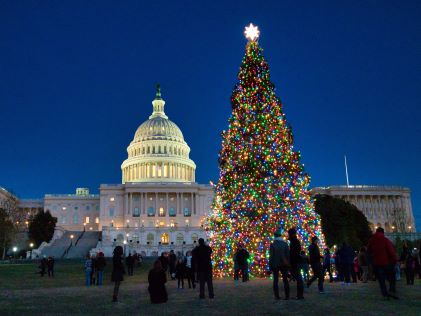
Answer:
(130, 264)
(295, 260)
(50, 266)
(315, 264)
(305, 266)
(242, 257)
(172, 262)
(346, 260)
(118, 271)
(43, 265)
(180, 272)
(327, 266)
(202, 259)
(410, 268)
(279, 262)
(157, 278)
(88, 270)
(164, 261)
(362, 260)
(100, 266)
(236, 267)
(189, 270)
(93, 272)
(384, 260)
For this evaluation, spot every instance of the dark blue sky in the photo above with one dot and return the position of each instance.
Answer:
(78, 77)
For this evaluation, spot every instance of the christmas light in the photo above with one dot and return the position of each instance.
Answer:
(262, 185)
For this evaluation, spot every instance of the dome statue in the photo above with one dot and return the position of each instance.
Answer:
(158, 152)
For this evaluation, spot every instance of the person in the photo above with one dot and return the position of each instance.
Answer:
(236, 267)
(305, 266)
(327, 267)
(100, 264)
(172, 263)
(355, 268)
(118, 271)
(180, 272)
(279, 262)
(130, 264)
(384, 259)
(410, 268)
(50, 266)
(157, 279)
(242, 257)
(315, 264)
(189, 270)
(362, 260)
(43, 265)
(88, 270)
(346, 259)
(93, 272)
(295, 259)
(202, 259)
(164, 261)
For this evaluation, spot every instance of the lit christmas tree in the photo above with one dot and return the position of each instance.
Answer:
(262, 185)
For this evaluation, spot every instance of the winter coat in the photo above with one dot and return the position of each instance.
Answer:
(314, 253)
(278, 254)
(202, 258)
(157, 290)
(180, 270)
(382, 250)
(100, 263)
(118, 269)
(294, 251)
(88, 265)
(346, 255)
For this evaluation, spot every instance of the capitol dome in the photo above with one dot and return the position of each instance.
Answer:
(158, 152)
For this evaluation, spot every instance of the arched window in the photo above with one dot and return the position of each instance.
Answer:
(151, 211)
(194, 238)
(172, 212)
(180, 239)
(111, 211)
(187, 211)
(165, 239)
(150, 238)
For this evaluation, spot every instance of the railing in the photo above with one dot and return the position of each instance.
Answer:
(80, 236)
(378, 187)
(67, 250)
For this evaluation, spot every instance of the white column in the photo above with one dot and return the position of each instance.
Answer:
(126, 202)
(156, 203)
(182, 203)
(196, 197)
(192, 203)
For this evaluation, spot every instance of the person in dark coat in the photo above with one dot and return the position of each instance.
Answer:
(172, 263)
(180, 272)
(315, 264)
(327, 267)
(130, 264)
(100, 266)
(241, 257)
(279, 262)
(157, 278)
(118, 271)
(295, 260)
(202, 259)
(164, 261)
(50, 266)
(384, 261)
(43, 266)
(346, 261)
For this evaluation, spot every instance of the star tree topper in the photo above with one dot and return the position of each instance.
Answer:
(251, 32)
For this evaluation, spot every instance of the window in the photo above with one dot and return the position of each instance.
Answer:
(97, 220)
(150, 238)
(111, 211)
(172, 212)
(180, 239)
(136, 198)
(151, 211)
(165, 239)
(194, 238)
(88, 207)
(187, 212)
(75, 219)
(76, 208)
(161, 211)
(87, 219)
(136, 212)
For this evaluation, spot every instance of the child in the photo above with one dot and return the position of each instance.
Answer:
(157, 280)
(180, 271)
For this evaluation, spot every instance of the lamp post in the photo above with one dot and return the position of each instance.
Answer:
(14, 251)
(71, 239)
(31, 245)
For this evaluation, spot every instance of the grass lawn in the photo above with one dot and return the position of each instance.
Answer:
(22, 292)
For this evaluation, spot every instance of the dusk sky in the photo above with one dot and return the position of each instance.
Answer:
(77, 78)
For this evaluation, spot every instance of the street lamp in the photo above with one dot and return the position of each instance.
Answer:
(31, 245)
(71, 239)
(14, 251)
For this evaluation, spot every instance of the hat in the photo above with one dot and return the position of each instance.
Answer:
(292, 231)
(278, 232)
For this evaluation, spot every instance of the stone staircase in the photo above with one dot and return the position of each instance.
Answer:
(87, 241)
(59, 246)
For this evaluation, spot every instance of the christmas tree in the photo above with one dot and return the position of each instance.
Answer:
(262, 186)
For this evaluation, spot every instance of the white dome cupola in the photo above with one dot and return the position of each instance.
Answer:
(158, 152)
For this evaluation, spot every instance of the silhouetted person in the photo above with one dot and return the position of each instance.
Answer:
(346, 261)
(100, 266)
(130, 264)
(42, 266)
(242, 256)
(327, 266)
(118, 271)
(50, 266)
(363, 262)
(279, 262)
(180, 272)
(172, 262)
(384, 260)
(295, 259)
(157, 279)
(202, 258)
(164, 261)
(315, 264)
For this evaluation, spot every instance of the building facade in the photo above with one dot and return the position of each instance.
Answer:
(384, 206)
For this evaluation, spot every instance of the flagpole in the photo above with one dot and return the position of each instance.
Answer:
(346, 173)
